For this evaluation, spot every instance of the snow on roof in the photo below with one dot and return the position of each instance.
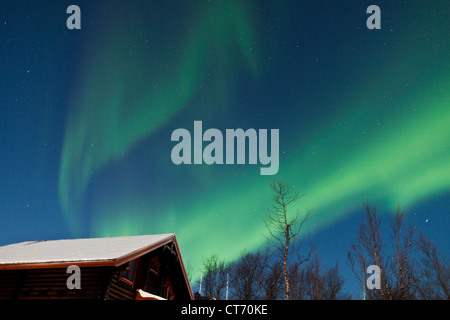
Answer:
(79, 250)
(144, 295)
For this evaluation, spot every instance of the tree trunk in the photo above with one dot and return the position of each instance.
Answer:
(286, 280)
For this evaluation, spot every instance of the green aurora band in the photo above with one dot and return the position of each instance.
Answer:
(391, 147)
(107, 119)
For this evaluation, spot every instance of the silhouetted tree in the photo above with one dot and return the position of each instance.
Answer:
(247, 276)
(285, 228)
(402, 260)
(414, 269)
(334, 285)
(368, 249)
(215, 273)
(273, 283)
(433, 280)
(315, 283)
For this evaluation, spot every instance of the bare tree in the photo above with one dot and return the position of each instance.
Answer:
(402, 266)
(318, 284)
(257, 275)
(368, 249)
(284, 228)
(334, 285)
(433, 281)
(313, 280)
(215, 276)
(247, 276)
(414, 269)
(272, 285)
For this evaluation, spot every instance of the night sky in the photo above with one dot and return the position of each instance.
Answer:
(86, 118)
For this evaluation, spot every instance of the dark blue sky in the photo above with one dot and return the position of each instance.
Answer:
(86, 118)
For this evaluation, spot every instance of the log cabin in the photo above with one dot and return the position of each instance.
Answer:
(147, 267)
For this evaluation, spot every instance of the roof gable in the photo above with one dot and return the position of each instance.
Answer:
(87, 252)
(108, 251)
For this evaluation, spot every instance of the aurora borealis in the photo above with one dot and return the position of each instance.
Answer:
(87, 116)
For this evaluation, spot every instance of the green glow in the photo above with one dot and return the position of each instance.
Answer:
(404, 169)
(385, 143)
(103, 126)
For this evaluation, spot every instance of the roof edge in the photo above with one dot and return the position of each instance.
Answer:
(183, 269)
(144, 250)
(56, 264)
(171, 237)
(115, 262)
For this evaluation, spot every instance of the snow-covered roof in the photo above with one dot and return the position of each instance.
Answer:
(144, 295)
(115, 250)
